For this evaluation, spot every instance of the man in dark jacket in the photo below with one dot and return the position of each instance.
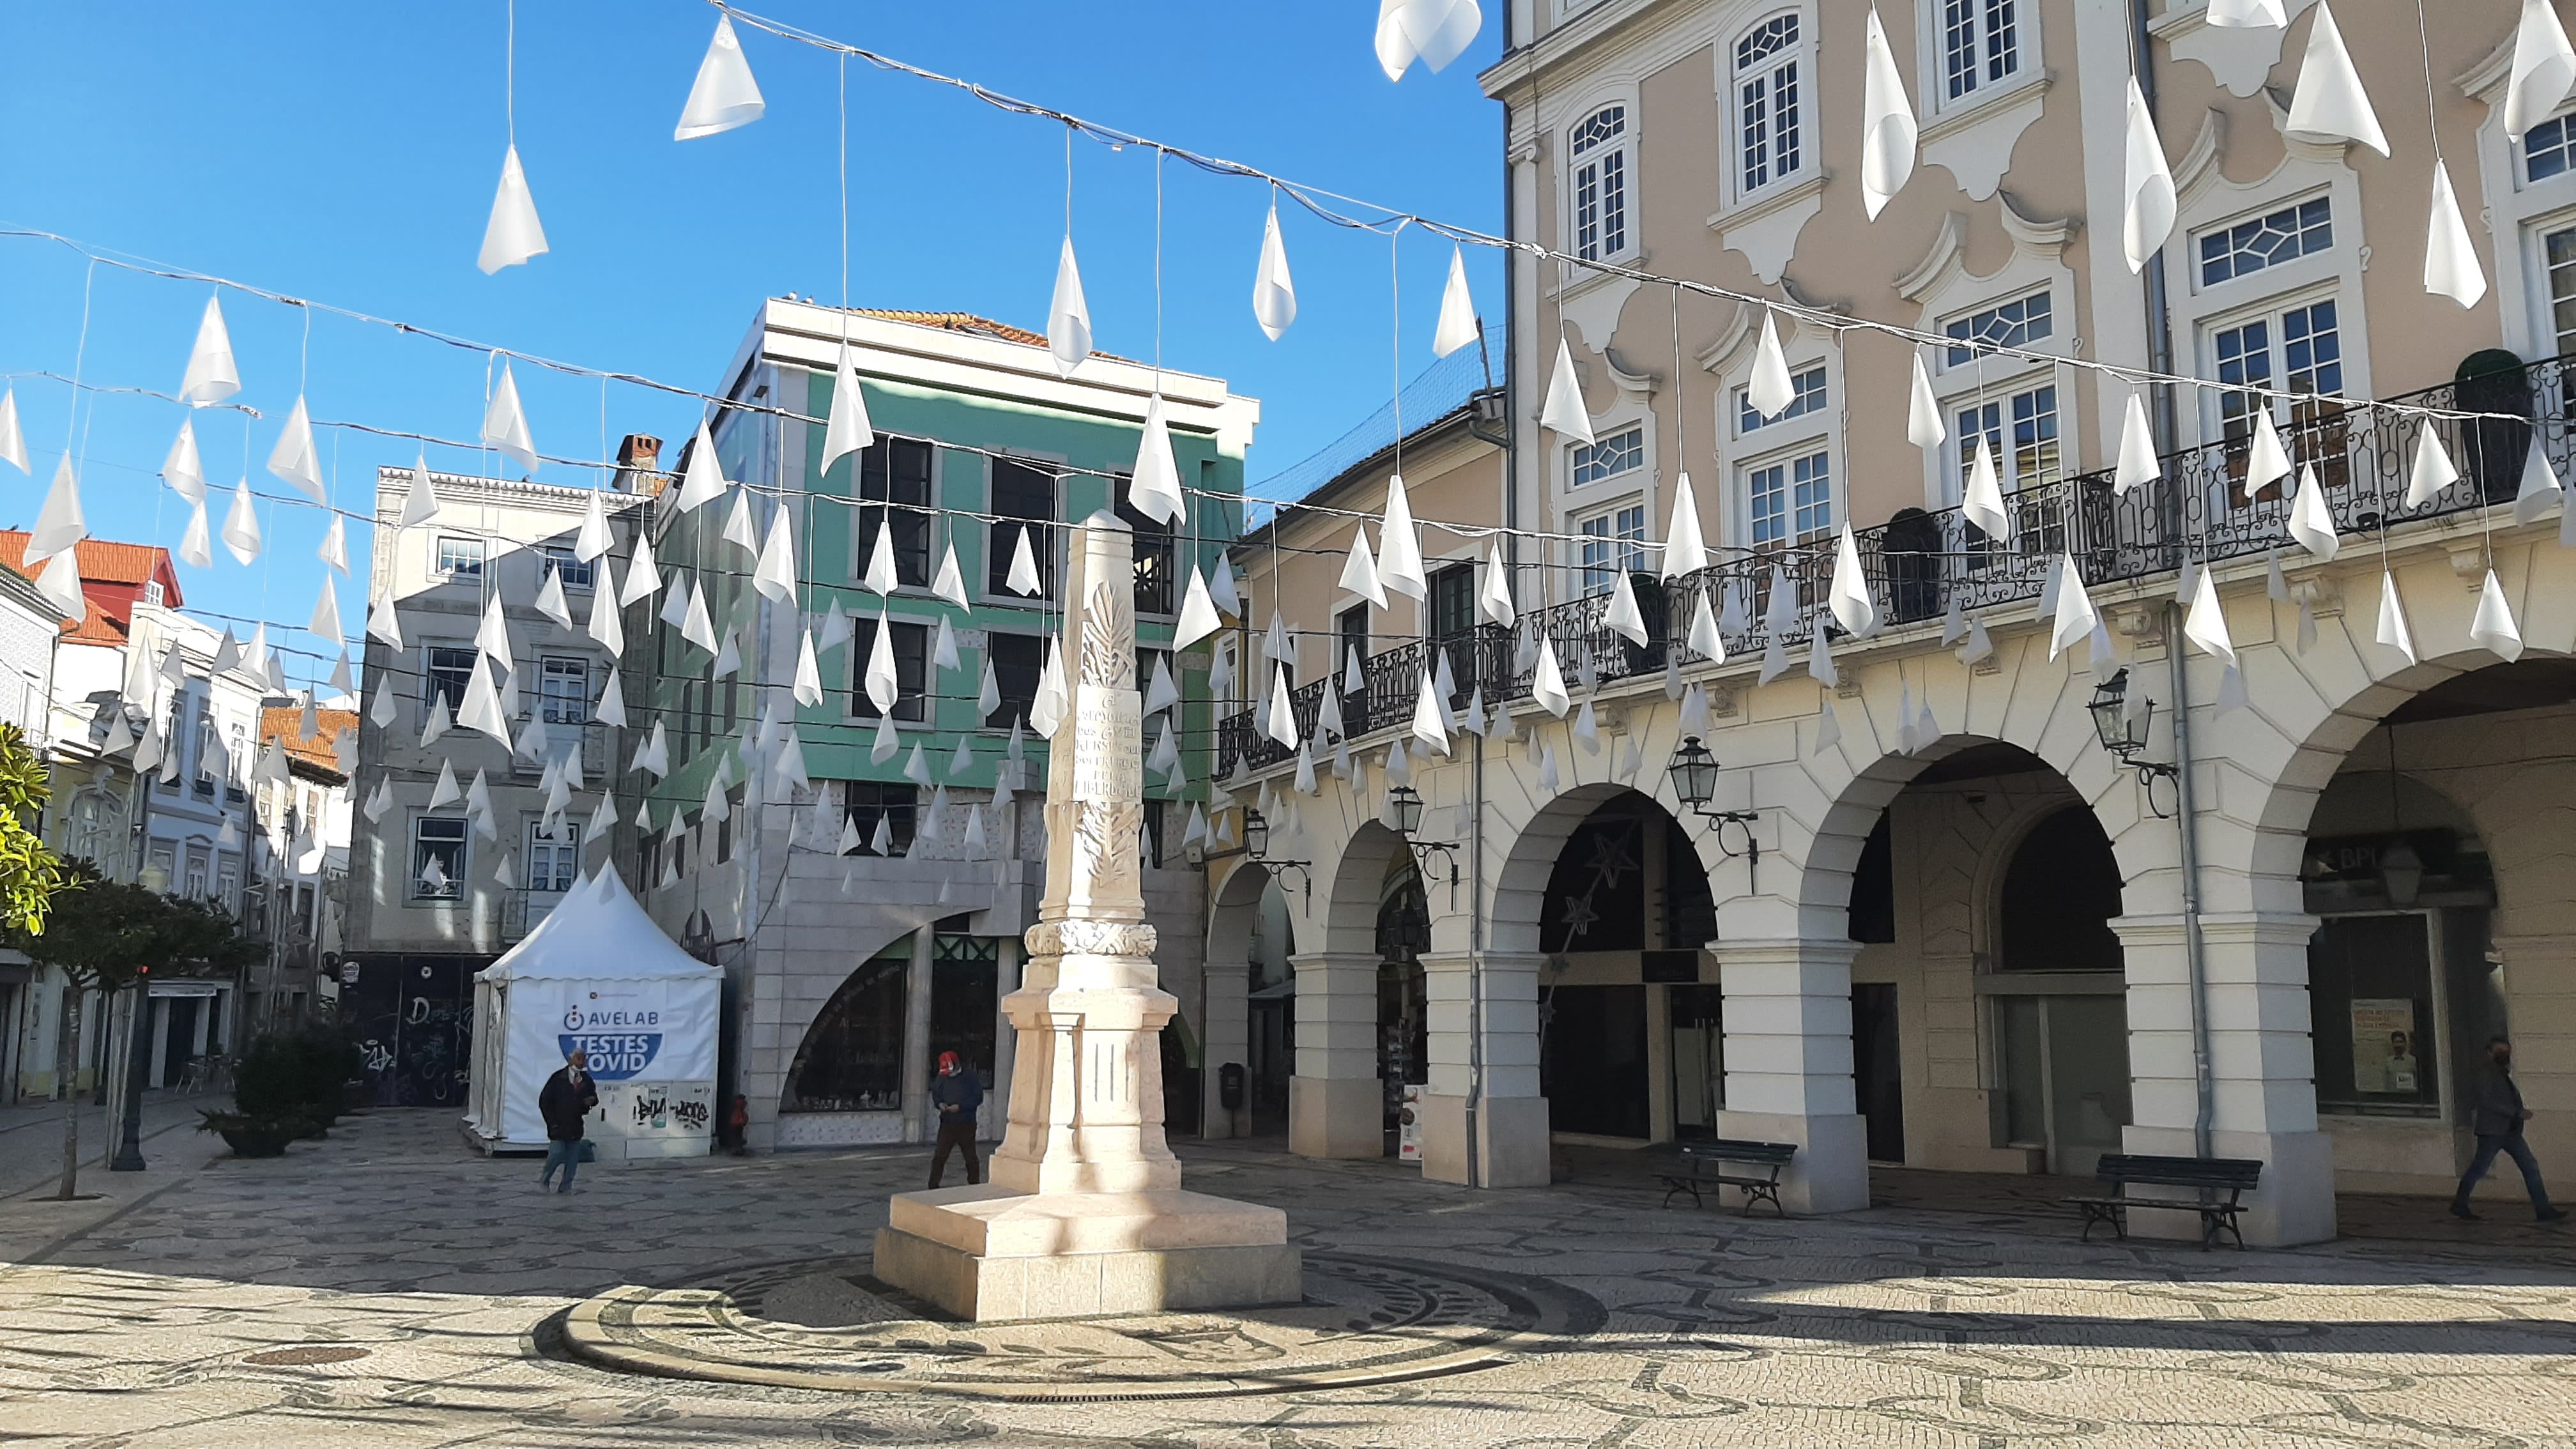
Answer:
(567, 1097)
(956, 1092)
(2496, 1115)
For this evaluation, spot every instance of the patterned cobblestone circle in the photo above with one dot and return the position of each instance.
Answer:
(827, 1324)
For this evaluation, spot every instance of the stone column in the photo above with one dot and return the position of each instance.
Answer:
(1787, 1015)
(1493, 997)
(1006, 979)
(1336, 1104)
(1225, 1035)
(2262, 1069)
(917, 1065)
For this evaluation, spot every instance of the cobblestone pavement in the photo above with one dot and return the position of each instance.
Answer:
(385, 1287)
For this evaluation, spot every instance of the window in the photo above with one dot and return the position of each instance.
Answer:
(1980, 43)
(852, 1057)
(2549, 148)
(2375, 980)
(563, 687)
(865, 802)
(193, 884)
(2030, 456)
(1351, 627)
(1807, 395)
(2017, 323)
(911, 670)
(2267, 241)
(1791, 501)
(1766, 102)
(152, 591)
(460, 558)
(1610, 457)
(445, 673)
(554, 857)
(2297, 350)
(236, 761)
(1611, 545)
(1023, 491)
(568, 566)
(1154, 562)
(894, 472)
(228, 881)
(209, 749)
(1016, 660)
(1599, 185)
(1452, 616)
(2559, 255)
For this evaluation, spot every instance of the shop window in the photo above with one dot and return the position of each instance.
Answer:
(965, 979)
(852, 1057)
(2371, 981)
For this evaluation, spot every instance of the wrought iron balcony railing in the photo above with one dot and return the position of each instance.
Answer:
(1921, 562)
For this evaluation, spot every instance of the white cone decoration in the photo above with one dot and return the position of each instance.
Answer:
(2432, 471)
(611, 708)
(1623, 616)
(1684, 550)
(326, 613)
(943, 646)
(724, 95)
(950, 582)
(1458, 325)
(550, 600)
(1359, 569)
(59, 524)
(513, 234)
(2137, 463)
(1706, 640)
(1434, 31)
(1587, 729)
(847, 429)
(2150, 205)
(2493, 627)
(335, 544)
(293, 458)
(1771, 391)
(703, 481)
(1198, 616)
(880, 679)
(2544, 69)
(695, 625)
(184, 470)
(1430, 719)
(1068, 316)
(2248, 14)
(886, 742)
(1923, 425)
(1983, 502)
(420, 501)
(211, 375)
(643, 577)
(2330, 105)
(445, 792)
(2393, 632)
(728, 655)
(2540, 491)
(1281, 723)
(603, 625)
(1155, 488)
(1399, 547)
(2075, 615)
(384, 622)
(1222, 589)
(1274, 295)
(1779, 617)
(1547, 682)
(381, 800)
(808, 689)
(60, 583)
(241, 525)
(2450, 259)
(1054, 700)
(1024, 578)
(1820, 657)
(879, 576)
(1887, 123)
(2311, 522)
(1849, 595)
(2205, 624)
(1829, 730)
(1565, 412)
(988, 697)
(505, 423)
(1162, 691)
(2269, 462)
(775, 577)
(196, 545)
(1494, 600)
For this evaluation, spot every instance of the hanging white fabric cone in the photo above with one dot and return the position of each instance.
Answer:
(724, 95)
(2311, 521)
(1734, 607)
(2149, 202)
(2076, 618)
(1829, 730)
(880, 577)
(2046, 614)
(481, 710)
(513, 234)
(846, 429)
(611, 708)
(604, 819)
(1685, 552)
(775, 576)
(1551, 777)
(1771, 391)
(1274, 294)
(1853, 608)
(1053, 701)
(1328, 716)
(335, 544)
(2432, 471)
(60, 583)
(211, 375)
(1565, 412)
(1399, 765)
(341, 679)
(2205, 624)
(505, 423)
(1927, 730)
(695, 625)
(1820, 657)
(1587, 729)
(1161, 692)
(1983, 502)
(1587, 672)
(2540, 491)
(603, 625)
(879, 679)
(181, 467)
(728, 655)
(675, 603)
(738, 528)
(1282, 722)
(1222, 589)
(446, 792)
(241, 525)
(916, 766)
(1024, 578)
(1923, 425)
(13, 444)
(1979, 648)
(988, 696)
(943, 646)
(550, 600)
(196, 545)
(384, 622)
(1706, 640)
(1438, 31)
(703, 481)
(837, 628)
(593, 539)
(1458, 325)
(435, 721)
(881, 840)
(2269, 462)
(381, 800)
(1430, 720)
(2330, 105)
(643, 576)
(1068, 316)
(2137, 462)
(2187, 582)
(1780, 617)
(1623, 616)
(1494, 600)
(1155, 488)
(1198, 616)
(808, 688)
(962, 761)
(1399, 545)
(950, 582)
(1547, 682)
(883, 747)
(59, 524)
(1954, 622)
(1905, 744)
(2450, 259)
(228, 654)
(1354, 677)
(2276, 585)
(1165, 753)
(1359, 569)
(326, 613)
(420, 500)
(1888, 129)
(1275, 646)
(1694, 721)
(491, 635)
(2393, 632)
(2493, 627)
(2544, 69)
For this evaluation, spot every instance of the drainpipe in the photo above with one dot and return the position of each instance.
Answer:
(2195, 956)
(2158, 302)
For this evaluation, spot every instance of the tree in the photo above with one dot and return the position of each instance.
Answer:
(32, 877)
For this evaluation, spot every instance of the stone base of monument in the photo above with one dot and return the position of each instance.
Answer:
(987, 1253)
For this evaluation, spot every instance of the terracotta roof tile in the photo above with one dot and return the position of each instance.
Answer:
(959, 322)
(286, 725)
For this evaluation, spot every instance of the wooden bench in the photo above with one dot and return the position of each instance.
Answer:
(2218, 1184)
(1712, 1165)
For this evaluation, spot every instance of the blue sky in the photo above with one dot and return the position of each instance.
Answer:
(349, 152)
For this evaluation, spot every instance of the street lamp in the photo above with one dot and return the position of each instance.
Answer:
(1694, 772)
(1256, 848)
(1403, 815)
(2123, 733)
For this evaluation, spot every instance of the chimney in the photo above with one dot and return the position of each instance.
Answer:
(639, 461)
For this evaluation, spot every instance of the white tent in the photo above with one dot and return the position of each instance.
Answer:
(598, 974)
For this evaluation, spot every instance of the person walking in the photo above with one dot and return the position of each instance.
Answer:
(566, 1099)
(2496, 1115)
(956, 1092)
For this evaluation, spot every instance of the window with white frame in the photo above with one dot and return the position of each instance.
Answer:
(2558, 256)
(439, 839)
(1598, 185)
(2298, 230)
(2296, 349)
(193, 884)
(1980, 44)
(1806, 395)
(152, 592)
(1613, 543)
(2549, 149)
(2017, 323)
(1621, 452)
(447, 670)
(460, 558)
(564, 686)
(1789, 500)
(2021, 430)
(568, 566)
(554, 856)
(1770, 141)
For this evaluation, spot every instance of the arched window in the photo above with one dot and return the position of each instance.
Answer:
(1598, 184)
(1771, 141)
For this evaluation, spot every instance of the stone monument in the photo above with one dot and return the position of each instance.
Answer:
(1084, 1213)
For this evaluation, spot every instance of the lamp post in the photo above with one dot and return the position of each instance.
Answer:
(1403, 815)
(1694, 774)
(138, 1070)
(1256, 848)
(2123, 730)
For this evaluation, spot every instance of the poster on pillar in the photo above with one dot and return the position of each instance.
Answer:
(2384, 1060)
(1408, 1131)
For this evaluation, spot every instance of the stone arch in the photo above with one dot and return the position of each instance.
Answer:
(1234, 912)
(1344, 920)
(1520, 879)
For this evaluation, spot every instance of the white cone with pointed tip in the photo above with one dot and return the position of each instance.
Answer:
(550, 600)
(1399, 546)
(196, 546)
(1068, 316)
(211, 375)
(1222, 589)
(611, 708)
(1359, 569)
(1024, 578)
(2544, 69)
(184, 470)
(775, 577)
(2432, 471)
(326, 613)
(1547, 681)
(1155, 488)
(1888, 128)
(241, 525)
(846, 430)
(1430, 720)
(1162, 691)
(505, 423)
(988, 697)
(2330, 105)
(950, 582)
(1623, 616)
(59, 524)
(943, 646)
(513, 234)
(2450, 259)
(1983, 501)
(2149, 204)
(384, 622)
(1820, 656)
(2493, 627)
(1494, 600)
(1829, 730)
(420, 500)
(808, 689)
(335, 544)
(1849, 594)
(1565, 412)
(879, 679)
(2268, 462)
(1923, 425)
(2137, 463)
(60, 583)
(1458, 325)
(1279, 720)
(603, 625)
(1684, 550)
(2076, 618)
(724, 95)
(703, 481)
(643, 576)
(2540, 491)
(293, 458)
(1274, 294)
(2205, 624)
(2393, 632)
(879, 576)
(1198, 616)
(1770, 391)
(1706, 639)
(2311, 522)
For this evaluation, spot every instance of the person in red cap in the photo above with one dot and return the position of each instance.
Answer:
(956, 1093)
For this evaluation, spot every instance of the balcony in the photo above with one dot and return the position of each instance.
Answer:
(1919, 563)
